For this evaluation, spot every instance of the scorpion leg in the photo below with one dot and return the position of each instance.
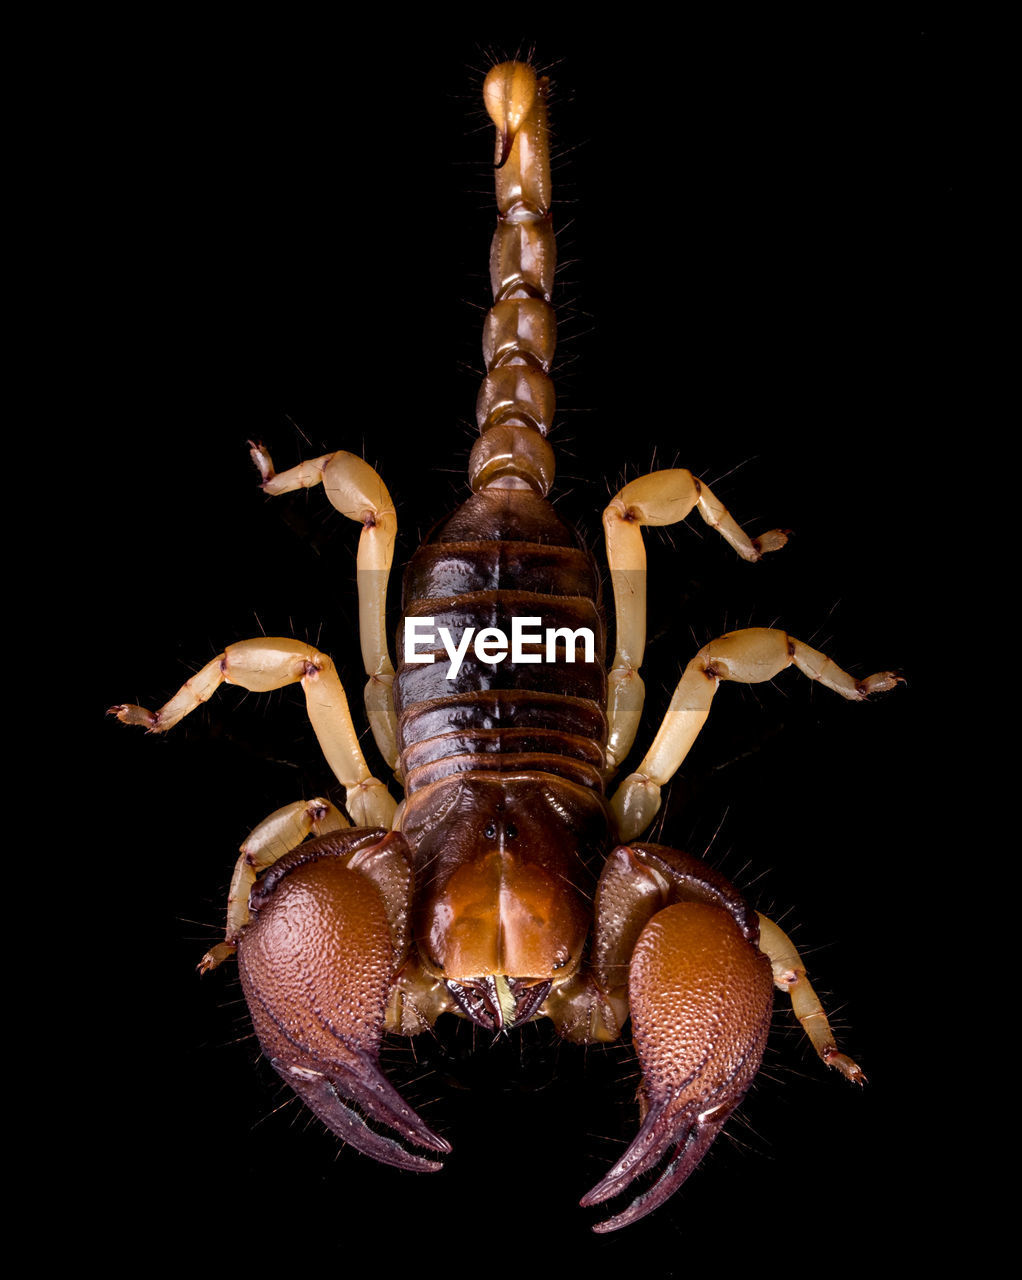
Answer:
(271, 663)
(663, 497)
(357, 492)
(318, 961)
(282, 831)
(749, 657)
(682, 942)
(790, 976)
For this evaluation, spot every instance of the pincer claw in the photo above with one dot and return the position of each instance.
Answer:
(701, 999)
(363, 1083)
(687, 1134)
(316, 967)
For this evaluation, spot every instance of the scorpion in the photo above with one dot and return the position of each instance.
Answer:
(512, 882)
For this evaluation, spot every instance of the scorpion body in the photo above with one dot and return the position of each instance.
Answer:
(514, 748)
(512, 882)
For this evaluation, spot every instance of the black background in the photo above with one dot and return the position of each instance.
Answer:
(285, 237)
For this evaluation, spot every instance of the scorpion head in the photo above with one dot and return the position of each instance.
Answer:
(505, 913)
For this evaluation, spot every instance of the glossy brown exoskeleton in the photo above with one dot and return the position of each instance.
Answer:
(507, 886)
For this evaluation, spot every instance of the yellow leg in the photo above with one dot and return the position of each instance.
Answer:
(663, 497)
(748, 657)
(275, 836)
(271, 663)
(790, 976)
(357, 492)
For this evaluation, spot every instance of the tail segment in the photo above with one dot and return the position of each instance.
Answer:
(516, 401)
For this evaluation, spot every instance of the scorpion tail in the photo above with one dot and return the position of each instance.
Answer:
(515, 406)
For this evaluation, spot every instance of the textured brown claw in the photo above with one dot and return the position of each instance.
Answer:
(685, 1130)
(322, 1090)
(316, 967)
(701, 995)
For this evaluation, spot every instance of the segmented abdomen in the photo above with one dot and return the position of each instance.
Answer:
(503, 554)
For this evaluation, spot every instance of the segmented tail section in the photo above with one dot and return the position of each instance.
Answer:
(515, 407)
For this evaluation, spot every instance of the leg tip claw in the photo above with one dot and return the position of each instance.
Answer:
(849, 1069)
(215, 957)
(774, 540)
(263, 462)
(128, 714)
(879, 682)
